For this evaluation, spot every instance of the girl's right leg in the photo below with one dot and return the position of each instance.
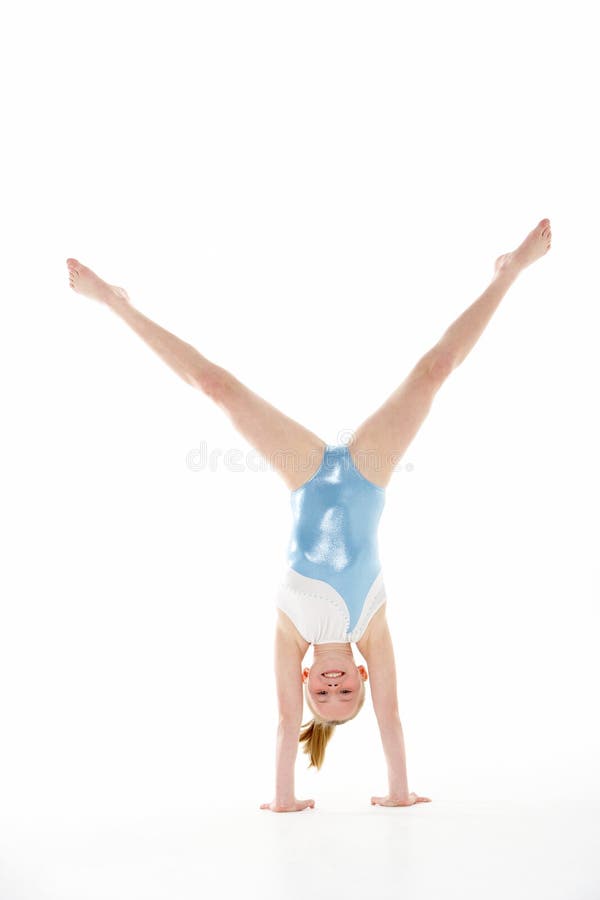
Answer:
(293, 451)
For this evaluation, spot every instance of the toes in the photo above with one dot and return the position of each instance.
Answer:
(543, 226)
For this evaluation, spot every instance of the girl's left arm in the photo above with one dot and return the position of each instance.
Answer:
(379, 654)
(392, 738)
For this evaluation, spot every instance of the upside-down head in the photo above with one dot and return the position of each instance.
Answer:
(334, 696)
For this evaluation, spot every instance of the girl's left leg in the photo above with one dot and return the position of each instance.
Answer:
(382, 439)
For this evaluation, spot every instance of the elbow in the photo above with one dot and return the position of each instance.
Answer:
(289, 725)
(388, 717)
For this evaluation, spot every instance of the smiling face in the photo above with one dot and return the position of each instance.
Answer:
(334, 684)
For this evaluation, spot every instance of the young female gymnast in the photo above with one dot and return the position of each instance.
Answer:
(332, 594)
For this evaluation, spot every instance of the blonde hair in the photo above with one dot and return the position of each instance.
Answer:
(318, 732)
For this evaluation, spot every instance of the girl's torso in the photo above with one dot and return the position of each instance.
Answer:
(303, 644)
(333, 585)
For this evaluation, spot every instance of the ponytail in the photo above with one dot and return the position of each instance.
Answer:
(315, 736)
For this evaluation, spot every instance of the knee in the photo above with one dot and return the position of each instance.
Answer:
(212, 382)
(438, 364)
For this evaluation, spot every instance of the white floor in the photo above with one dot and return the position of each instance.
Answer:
(517, 847)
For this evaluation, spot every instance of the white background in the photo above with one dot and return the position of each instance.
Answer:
(309, 193)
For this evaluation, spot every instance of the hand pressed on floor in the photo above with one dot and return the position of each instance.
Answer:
(397, 801)
(295, 806)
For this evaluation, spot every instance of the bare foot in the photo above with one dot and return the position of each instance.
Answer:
(86, 282)
(536, 244)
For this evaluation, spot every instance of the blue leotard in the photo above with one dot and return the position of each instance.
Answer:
(333, 585)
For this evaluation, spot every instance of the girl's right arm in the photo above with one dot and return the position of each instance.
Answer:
(287, 749)
(288, 678)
